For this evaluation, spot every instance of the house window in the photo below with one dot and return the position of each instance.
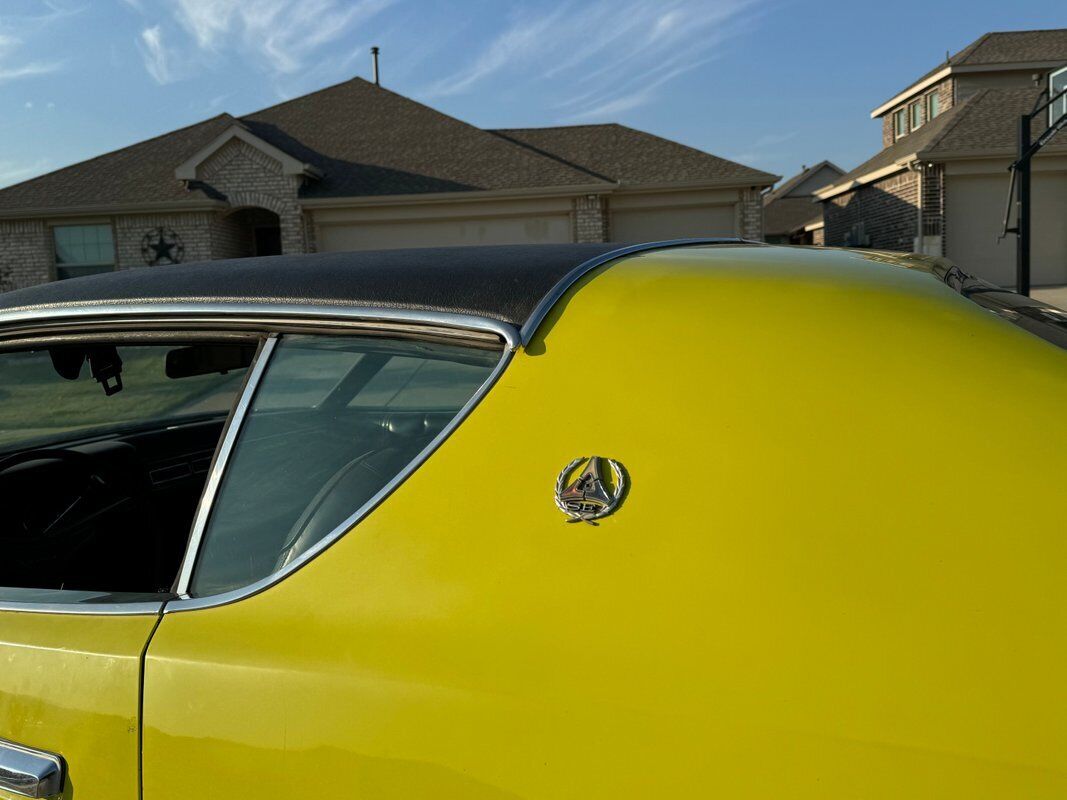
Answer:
(83, 250)
(900, 123)
(915, 114)
(933, 104)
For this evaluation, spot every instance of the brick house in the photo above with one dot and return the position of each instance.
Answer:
(939, 183)
(356, 166)
(791, 214)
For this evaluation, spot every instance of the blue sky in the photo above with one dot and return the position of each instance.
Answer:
(772, 84)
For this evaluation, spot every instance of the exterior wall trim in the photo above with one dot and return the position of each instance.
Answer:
(117, 209)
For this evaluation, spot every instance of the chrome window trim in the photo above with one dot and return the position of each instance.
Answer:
(152, 608)
(564, 284)
(218, 465)
(186, 603)
(24, 322)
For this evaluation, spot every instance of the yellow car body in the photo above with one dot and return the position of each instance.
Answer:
(838, 571)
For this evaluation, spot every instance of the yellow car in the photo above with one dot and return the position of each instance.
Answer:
(687, 519)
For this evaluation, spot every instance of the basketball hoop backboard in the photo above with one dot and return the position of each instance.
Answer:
(1057, 82)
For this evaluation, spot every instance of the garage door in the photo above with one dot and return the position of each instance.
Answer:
(974, 215)
(643, 225)
(444, 233)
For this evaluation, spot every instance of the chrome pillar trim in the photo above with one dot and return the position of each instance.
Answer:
(567, 281)
(30, 773)
(218, 466)
(235, 312)
(187, 603)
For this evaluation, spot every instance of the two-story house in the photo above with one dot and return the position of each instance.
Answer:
(939, 184)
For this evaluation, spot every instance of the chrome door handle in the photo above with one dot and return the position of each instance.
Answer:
(30, 772)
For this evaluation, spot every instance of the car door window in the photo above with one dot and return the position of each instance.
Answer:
(104, 453)
(333, 423)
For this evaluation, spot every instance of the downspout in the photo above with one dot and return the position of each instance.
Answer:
(917, 167)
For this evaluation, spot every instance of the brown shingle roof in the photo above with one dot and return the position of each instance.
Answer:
(787, 214)
(990, 124)
(1007, 47)
(907, 145)
(629, 156)
(369, 141)
(785, 187)
(137, 175)
(1014, 47)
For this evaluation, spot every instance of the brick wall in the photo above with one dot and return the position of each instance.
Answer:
(193, 228)
(886, 212)
(25, 253)
(250, 178)
(946, 97)
(591, 219)
(749, 223)
(933, 188)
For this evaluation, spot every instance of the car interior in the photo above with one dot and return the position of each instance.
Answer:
(106, 448)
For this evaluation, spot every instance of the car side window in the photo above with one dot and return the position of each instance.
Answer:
(334, 420)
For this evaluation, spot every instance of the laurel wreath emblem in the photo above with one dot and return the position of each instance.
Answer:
(616, 495)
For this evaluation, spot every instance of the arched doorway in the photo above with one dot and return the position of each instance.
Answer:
(250, 231)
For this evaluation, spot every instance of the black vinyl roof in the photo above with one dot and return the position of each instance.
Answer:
(500, 282)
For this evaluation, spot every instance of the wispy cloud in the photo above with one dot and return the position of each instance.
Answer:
(614, 54)
(155, 55)
(16, 35)
(280, 36)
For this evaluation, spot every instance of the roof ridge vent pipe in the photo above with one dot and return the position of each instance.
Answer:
(374, 63)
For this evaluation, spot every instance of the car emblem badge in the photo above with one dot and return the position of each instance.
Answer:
(588, 496)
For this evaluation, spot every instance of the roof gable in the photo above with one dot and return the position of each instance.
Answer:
(187, 170)
(805, 182)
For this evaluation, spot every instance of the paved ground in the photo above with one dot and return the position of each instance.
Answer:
(1053, 295)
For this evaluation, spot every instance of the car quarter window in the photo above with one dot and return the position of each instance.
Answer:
(334, 420)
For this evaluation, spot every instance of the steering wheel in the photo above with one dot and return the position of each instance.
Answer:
(38, 543)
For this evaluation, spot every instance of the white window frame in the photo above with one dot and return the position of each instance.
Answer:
(915, 115)
(900, 130)
(928, 100)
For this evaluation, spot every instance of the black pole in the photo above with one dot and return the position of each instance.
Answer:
(1022, 252)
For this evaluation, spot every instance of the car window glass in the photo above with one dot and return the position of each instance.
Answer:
(38, 406)
(333, 421)
(105, 449)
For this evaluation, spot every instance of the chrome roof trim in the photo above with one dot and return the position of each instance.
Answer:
(567, 281)
(218, 465)
(230, 311)
(187, 603)
(150, 608)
